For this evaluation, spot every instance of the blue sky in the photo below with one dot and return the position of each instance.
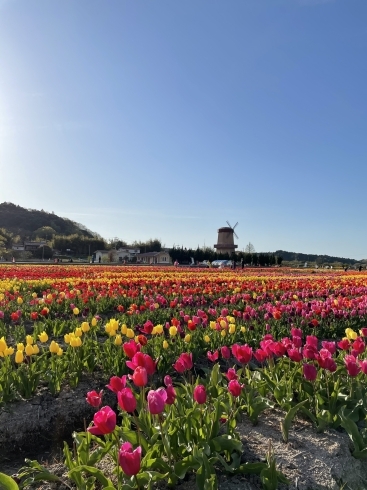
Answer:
(145, 119)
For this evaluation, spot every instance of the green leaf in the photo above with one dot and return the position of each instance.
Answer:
(106, 482)
(288, 419)
(7, 483)
(186, 464)
(226, 443)
(360, 444)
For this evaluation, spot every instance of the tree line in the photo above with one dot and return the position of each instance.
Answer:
(184, 255)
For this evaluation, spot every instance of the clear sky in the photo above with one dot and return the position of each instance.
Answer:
(164, 118)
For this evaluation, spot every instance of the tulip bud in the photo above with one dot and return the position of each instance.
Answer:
(200, 394)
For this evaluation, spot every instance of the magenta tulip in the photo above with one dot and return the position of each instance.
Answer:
(104, 422)
(200, 394)
(94, 399)
(126, 400)
(117, 384)
(235, 388)
(171, 395)
(130, 460)
(309, 372)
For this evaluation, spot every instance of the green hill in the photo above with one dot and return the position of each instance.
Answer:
(26, 222)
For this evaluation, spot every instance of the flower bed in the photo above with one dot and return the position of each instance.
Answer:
(276, 338)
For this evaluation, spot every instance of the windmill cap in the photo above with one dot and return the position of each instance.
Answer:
(225, 228)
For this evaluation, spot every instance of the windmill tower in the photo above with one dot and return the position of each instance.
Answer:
(225, 243)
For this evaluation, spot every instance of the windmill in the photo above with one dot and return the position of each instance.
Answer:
(225, 243)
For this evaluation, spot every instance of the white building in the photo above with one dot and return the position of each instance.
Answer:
(120, 255)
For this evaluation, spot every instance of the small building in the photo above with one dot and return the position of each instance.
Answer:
(162, 257)
(28, 246)
(18, 246)
(120, 255)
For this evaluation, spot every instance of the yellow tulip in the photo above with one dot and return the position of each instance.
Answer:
(223, 324)
(29, 339)
(20, 346)
(173, 331)
(54, 347)
(187, 338)
(158, 329)
(351, 334)
(85, 327)
(232, 328)
(130, 333)
(118, 340)
(19, 357)
(223, 333)
(43, 337)
(19, 300)
(243, 329)
(123, 329)
(76, 311)
(213, 325)
(60, 352)
(67, 338)
(3, 345)
(94, 322)
(9, 351)
(35, 349)
(207, 339)
(78, 332)
(165, 344)
(29, 349)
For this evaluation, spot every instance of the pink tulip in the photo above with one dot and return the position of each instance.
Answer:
(363, 365)
(126, 400)
(213, 356)
(142, 360)
(200, 394)
(156, 401)
(130, 460)
(104, 422)
(94, 399)
(167, 380)
(352, 365)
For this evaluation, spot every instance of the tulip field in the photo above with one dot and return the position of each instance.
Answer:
(188, 354)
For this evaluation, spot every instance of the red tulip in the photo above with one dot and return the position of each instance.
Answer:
(140, 376)
(364, 331)
(344, 344)
(156, 400)
(117, 384)
(126, 400)
(312, 341)
(200, 394)
(94, 399)
(260, 355)
(130, 460)
(234, 387)
(104, 422)
(359, 346)
(243, 353)
(309, 372)
(34, 315)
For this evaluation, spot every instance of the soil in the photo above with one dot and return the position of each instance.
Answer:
(36, 429)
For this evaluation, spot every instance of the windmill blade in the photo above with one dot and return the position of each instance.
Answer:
(229, 224)
(235, 234)
(235, 225)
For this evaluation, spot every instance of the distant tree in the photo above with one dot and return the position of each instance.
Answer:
(45, 232)
(279, 260)
(43, 252)
(250, 249)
